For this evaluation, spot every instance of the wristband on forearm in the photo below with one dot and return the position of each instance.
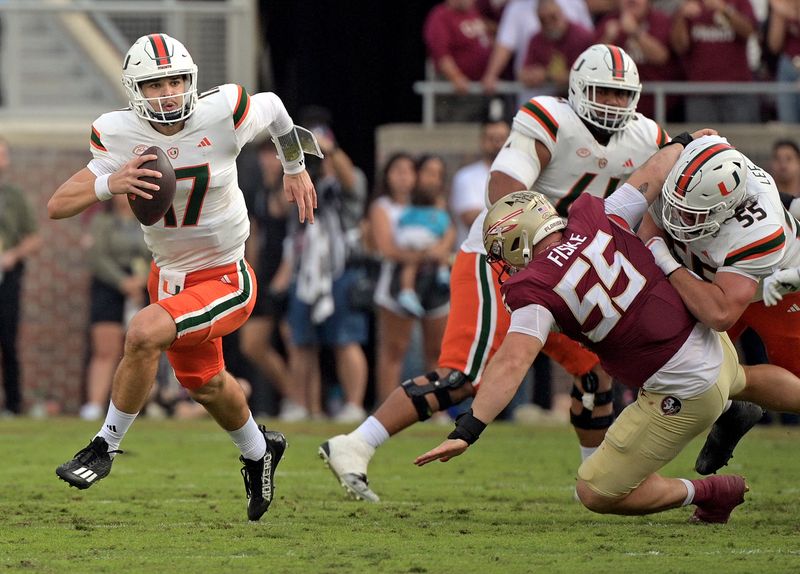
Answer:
(290, 152)
(101, 189)
(468, 428)
(684, 139)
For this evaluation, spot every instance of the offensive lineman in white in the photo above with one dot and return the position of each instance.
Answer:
(200, 285)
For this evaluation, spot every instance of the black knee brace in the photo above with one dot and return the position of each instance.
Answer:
(590, 398)
(439, 387)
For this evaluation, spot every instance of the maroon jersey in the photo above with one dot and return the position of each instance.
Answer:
(605, 290)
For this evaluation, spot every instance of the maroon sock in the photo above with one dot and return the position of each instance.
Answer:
(702, 490)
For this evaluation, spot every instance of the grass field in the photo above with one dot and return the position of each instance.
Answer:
(175, 503)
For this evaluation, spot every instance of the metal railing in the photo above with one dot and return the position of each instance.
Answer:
(659, 90)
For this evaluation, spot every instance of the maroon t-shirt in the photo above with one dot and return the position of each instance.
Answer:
(791, 43)
(543, 50)
(605, 290)
(658, 25)
(716, 53)
(461, 35)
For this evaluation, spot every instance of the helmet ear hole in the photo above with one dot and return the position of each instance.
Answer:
(515, 244)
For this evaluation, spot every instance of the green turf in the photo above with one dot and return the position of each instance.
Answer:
(175, 503)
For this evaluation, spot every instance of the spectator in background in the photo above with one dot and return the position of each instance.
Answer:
(119, 262)
(785, 167)
(644, 33)
(264, 249)
(519, 24)
(468, 195)
(710, 37)
(320, 312)
(459, 46)
(19, 239)
(552, 50)
(421, 226)
(394, 326)
(783, 40)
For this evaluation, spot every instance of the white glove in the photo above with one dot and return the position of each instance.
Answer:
(780, 283)
(664, 259)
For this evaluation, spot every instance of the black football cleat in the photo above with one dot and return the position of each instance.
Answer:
(89, 465)
(259, 475)
(725, 434)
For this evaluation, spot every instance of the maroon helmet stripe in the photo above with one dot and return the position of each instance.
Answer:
(696, 164)
(617, 65)
(160, 49)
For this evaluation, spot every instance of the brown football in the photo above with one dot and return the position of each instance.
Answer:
(149, 211)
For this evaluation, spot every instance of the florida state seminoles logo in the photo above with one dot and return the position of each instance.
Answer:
(670, 406)
(172, 152)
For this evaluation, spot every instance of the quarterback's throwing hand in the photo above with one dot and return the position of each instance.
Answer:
(779, 283)
(299, 189)
(444, 452)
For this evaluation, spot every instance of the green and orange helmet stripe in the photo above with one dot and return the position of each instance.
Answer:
(541, 115)
(694, 166)
(617, 63)
(760, 248)
(159, 45)
(94, 140)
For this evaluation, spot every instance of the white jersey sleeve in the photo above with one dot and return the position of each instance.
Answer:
(256, 114)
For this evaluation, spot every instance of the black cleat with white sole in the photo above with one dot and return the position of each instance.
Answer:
(89, 465)
(259, 475)
(725, 434)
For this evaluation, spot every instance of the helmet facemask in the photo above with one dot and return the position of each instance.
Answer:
(154, 57)
(609, 67)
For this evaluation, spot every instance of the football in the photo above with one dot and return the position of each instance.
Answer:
(149, 211)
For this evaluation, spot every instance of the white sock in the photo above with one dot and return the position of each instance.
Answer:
(250, 440)
(372, 432)
(115, 426)
(587, 451)
(690, 489)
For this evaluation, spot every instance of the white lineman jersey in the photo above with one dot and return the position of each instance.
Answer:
(760, 238)
(578, 162)
(207, 224)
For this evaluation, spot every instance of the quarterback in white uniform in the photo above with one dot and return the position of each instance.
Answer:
(200, 286)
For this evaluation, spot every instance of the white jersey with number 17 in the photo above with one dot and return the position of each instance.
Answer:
(207, 224)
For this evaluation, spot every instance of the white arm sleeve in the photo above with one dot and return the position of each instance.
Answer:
(628, 204)
(533, 320)
(518, 159)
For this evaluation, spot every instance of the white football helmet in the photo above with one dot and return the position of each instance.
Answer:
(514, 225)
(604, 66)
(703, 190)
(159, 56)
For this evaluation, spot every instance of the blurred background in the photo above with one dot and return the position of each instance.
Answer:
(375, 79)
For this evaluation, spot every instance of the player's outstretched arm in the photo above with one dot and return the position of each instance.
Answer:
(84, 188)
(500, 381)
(650, 178)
